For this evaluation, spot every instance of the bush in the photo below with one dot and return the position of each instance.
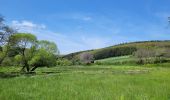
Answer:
(63, 62)
(76, 61)
(8, 61)
(42, 58)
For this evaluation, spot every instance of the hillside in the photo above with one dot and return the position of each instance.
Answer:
(121, 49)
(121, 60)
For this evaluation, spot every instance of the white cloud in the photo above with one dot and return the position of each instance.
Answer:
(26, 25)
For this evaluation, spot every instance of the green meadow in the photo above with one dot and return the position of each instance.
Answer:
(95, 82)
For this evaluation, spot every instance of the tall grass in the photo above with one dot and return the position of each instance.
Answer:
(90, 83)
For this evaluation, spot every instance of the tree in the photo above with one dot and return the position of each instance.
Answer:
(42, 58)
(154, 55)
(45, 54)
(144, 55)
(26, 42)
(86, 58)
(5, 33)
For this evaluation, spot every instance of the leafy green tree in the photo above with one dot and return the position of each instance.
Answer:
(42, 58)
(45, 54)
(26, 42)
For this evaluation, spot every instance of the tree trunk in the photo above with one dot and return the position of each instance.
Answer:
(34, 68)
(25, 61)
(23, 69)
(27, 67)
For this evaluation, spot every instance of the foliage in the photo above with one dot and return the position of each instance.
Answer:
(5, 34)
(42, 58)
(8, 61)
(114, 52)
(25, 42)
(45, 55)
(156, 55)
(76, 60)
(18, 59)
(86, 58)
(13, 51)
(50, 47)
(63, 62)
(29, 53)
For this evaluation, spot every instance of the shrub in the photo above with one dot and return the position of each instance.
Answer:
(86, 58)
(8, 61)
(76, 61)
(42, 58)
(63, 62)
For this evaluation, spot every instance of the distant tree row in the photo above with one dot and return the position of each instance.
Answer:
(152, 55)
(114, 52)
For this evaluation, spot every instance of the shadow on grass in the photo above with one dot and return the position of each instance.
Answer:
(50, 72)
(6, 75)
(9, 75)
(15, 74)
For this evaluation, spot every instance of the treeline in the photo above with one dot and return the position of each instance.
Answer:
(152, 55)
(105, 52)
(114, 52)
(88, 57)
(137, 42)
(122, 49)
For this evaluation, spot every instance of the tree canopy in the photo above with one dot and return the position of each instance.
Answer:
(48, 46)
(23, 40)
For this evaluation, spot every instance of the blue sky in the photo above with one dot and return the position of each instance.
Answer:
(77, 25)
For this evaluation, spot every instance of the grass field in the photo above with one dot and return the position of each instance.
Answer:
(123, 60)
(88, 83)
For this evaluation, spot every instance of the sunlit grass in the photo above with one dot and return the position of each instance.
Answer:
(89, 83)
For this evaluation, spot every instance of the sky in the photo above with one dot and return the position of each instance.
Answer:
(76, 25)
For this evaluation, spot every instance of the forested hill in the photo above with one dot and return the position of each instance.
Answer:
(122, 49)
